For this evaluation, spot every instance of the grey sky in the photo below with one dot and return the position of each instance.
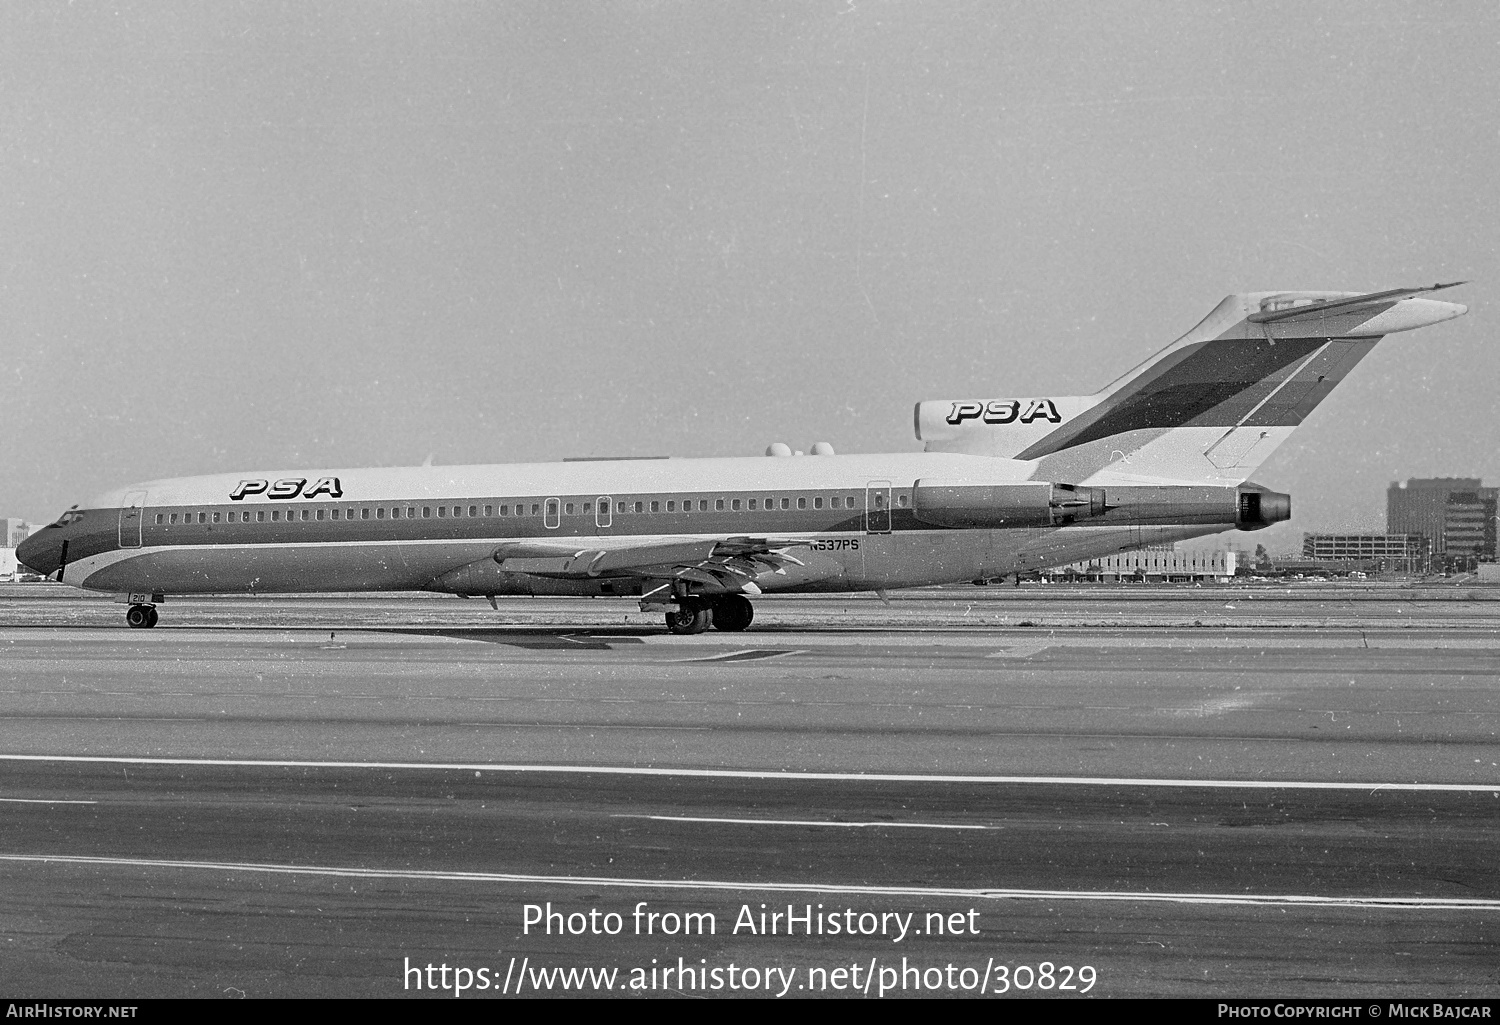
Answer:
(355, 234)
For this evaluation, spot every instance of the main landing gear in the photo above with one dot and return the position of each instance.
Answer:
(141, 616)
(732, 612)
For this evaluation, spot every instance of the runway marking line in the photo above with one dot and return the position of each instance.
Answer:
(766, 774)
(39, 800)
(803, 822)
(969, 893)
(747, 655)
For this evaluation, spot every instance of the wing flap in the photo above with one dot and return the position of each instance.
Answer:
(729, 563)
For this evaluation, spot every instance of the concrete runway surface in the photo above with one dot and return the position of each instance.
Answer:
(1188, 791)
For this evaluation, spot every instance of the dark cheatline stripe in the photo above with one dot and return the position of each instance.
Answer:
(1214, 384)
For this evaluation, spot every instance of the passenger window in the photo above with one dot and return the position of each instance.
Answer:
(718, 505)
(901, 501)
(535, 508)
(505, 510)
(671, 506)
(656, 507)
(818, 502)
(754, 503)
(442, 511)
(159, 518)
(380, 513)
(276, 515)
(260, 516)
(588, 508)
(849, 502)
(426, 512)
(364, 513)
(304, 515)
(321, 513)
(801, 503)
(786, 503)
(174, 518)
(640, 507)
(474, 510)
(216, 517)
(570, 509)
(703, 505)
(348, 514)
(734, 504)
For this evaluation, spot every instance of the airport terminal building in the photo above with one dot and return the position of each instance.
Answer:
(1156, 564)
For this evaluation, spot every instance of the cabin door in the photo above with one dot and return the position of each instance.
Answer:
(130, 519)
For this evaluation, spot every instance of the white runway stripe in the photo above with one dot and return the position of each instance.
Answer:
(766, 774)
(803, 822)
(968, 893)
(38, 800)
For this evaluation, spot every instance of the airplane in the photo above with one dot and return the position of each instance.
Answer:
(1002, 486)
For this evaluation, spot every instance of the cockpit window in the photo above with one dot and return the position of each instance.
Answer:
(71, 516)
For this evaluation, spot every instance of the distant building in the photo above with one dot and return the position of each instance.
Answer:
(12, 533)
(15, 531)
(1469, 525)
(1454, 515)
(1406, 552)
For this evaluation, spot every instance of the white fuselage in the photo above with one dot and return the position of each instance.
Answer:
(847, 520)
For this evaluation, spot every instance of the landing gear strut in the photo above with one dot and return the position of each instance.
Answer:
(733, 613)
(689, 617)
(141, 616)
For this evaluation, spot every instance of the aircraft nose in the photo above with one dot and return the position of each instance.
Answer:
(41, 552)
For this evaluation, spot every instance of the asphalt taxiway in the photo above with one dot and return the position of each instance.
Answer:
(1204, 792)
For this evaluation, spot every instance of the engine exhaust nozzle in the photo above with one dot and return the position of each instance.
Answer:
(1260, 507)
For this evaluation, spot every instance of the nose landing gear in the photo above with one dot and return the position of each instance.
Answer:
(141, 616)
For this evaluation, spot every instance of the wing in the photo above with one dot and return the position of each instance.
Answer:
(730, 563)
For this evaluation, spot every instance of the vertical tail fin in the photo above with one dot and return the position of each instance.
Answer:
(1210, 407)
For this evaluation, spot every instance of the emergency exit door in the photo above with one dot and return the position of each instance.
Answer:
(878, 507)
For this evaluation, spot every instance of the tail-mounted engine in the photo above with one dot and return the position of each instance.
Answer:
(1029, 504)
(1042, 504)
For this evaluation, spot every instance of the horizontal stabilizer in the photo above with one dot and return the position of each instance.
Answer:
(1303, 308)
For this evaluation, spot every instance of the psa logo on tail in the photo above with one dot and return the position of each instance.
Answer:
(289, 487)
(1004, 411)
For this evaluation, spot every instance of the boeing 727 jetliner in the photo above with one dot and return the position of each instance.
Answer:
(1004, 486)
